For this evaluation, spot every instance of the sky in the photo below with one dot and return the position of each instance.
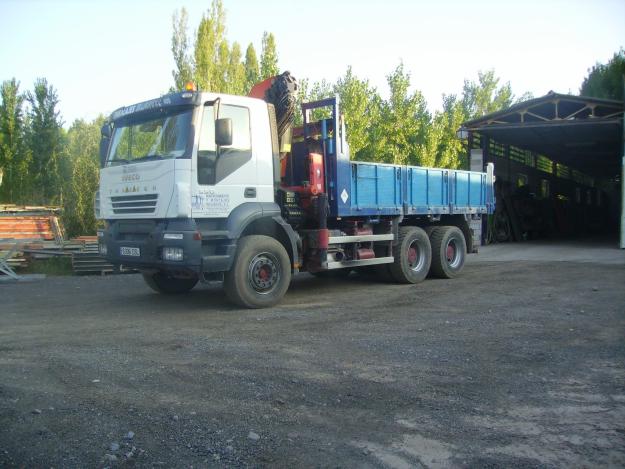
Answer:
(100, 55)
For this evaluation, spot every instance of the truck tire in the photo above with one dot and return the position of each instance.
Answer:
(162, 283)
(428, 230)
(260, 274)
(413, 256)
(449, 250)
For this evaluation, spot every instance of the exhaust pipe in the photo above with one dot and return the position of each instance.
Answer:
(339, 255)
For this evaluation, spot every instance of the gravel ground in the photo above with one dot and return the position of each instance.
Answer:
(514, 364)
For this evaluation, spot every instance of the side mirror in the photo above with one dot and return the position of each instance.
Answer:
(104, 143)
(223, 132)
(106, 130)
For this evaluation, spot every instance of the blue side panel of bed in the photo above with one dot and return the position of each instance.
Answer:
(384, 189)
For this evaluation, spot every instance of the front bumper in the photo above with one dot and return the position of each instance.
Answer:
(146, 240)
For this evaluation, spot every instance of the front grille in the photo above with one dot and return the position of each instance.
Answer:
(128, 204)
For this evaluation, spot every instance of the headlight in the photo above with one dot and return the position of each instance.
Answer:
(173, 254)
(103, 249)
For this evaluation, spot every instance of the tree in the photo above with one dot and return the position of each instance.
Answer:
(223, 63)
(449, 151)
(302, 96)
(606, 80)
(183, 72)
(359, 106)
(484, 96)
(320, 90)
(14, 157)
(81, 176)
(214, 65)
(405, 121)
(208, 43)
(236, 75)
(269, 57)
(44, 142)
(252, 72)
(306, 93)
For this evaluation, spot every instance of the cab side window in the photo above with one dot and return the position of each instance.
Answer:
(214, 164)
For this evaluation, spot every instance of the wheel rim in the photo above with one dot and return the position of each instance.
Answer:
(415, 256)
(452, 253)
(264, 273)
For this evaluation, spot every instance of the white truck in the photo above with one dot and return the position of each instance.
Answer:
(199, 186)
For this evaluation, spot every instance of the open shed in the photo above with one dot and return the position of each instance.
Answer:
(559, 166)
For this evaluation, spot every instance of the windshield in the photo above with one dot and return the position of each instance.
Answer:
(157, 138)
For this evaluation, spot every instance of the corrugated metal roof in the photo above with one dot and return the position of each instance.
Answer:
(582, 132)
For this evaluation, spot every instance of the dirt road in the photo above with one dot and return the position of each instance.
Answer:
(514, 364)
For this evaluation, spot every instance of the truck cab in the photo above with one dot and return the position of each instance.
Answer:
(183, 169)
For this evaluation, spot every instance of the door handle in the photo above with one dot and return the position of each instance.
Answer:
(250, 193)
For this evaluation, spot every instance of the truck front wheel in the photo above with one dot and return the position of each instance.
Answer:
(413, 255)
(162, 283)
(449, 249)
(260, 274)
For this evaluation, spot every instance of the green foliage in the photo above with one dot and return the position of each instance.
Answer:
(448, 151)
(269, 57)
(82, 176)
(252, 71)
(183, 72)
(606, 80)
(360, 110)
(42, 163)
(209, 53)
(14, 157)
(319, 90)
(405, 121)
(236, 80)
(44, 138)
(484, 96)
(215, 65)
(53, 266)
(400, 129)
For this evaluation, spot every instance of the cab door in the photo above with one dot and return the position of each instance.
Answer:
(223, 177)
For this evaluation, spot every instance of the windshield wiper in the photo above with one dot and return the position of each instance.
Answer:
(117, 161)
(149, 157)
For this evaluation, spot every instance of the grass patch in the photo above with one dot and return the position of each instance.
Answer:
(61, 265)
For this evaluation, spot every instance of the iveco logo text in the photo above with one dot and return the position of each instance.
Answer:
(130, 177)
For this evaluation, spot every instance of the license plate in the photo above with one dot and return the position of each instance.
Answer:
(130, 251)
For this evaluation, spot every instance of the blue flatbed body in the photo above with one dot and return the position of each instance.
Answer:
(376, 189)
(358, 189)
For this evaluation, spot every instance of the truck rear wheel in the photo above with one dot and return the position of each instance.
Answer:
(162, 283)
(449, 249)
(260, 274)
(413, 256)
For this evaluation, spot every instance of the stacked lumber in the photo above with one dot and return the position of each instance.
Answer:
(12, 208)
(30, 227)
(30, 222)
(88, 261)
(39, 234)
(26, 227)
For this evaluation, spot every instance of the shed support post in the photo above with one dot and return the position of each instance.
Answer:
(623, 191)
